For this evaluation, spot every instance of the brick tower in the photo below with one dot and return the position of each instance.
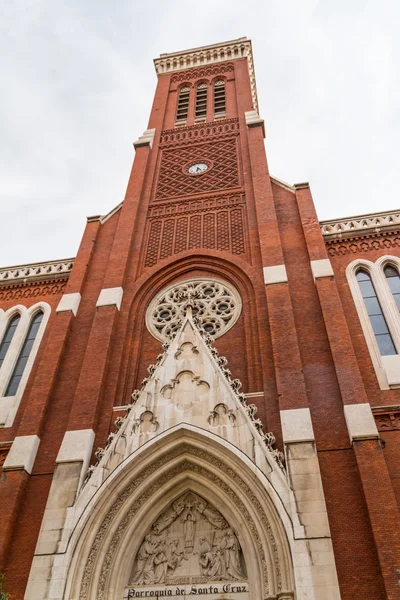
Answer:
(205, 401)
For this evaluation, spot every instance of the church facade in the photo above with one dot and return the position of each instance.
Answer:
(205, 401)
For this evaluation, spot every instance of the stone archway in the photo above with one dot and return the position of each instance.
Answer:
(112, 536)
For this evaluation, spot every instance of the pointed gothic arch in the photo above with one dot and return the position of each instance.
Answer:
(184, 459)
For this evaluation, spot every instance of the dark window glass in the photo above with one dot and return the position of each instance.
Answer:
(24, 355)
(183, 104)
(377, 318)
(8, 336)
(201, 101)
(393, 279)
(219, 98)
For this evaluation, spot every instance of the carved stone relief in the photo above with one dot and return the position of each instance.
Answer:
(189, 542)
(221, 415)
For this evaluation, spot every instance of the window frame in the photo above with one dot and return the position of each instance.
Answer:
(9, 404)
(221, 114)
(387, 368)
(183, 121)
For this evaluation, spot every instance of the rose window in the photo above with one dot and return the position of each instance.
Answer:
(215, 304)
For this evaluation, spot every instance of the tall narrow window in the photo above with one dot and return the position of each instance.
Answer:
(8, 336)
(24, 355)
(183, 104)
(201, 101)
(393, 279)
(376, 316)
(219, 98)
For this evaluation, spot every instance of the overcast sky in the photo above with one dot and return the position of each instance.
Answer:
(77, 82)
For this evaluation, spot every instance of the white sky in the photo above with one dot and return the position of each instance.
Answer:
(77, 82)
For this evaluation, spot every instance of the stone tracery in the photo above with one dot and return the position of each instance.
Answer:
(216, 306)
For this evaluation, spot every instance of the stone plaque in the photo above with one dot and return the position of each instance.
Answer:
(189, 550)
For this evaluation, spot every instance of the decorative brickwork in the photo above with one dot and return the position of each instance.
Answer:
(174, 182)
(210, 71)
(388, 420)
(33, 291)
(216, 224)
(187, 135)
(361, 245)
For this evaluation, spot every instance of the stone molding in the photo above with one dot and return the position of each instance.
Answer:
(275, 274)
(360, 422)
(69, 302)
(373, 222)
(253, 119)
(146, 139)
(321, 268)
(110, 297)
(76, 446)
(36, 271)
(210, 55)
(297, 425)
(22, 454)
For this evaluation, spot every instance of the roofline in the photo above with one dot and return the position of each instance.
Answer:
(240, 48)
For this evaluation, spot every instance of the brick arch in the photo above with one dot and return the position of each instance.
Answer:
(249, 364)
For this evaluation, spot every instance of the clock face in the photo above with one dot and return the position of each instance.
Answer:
(197, 168)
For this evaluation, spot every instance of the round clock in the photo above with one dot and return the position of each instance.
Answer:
(197, 168)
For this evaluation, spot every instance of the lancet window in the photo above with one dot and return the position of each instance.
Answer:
(376, 292)
(8, 336)
(24, 355)
(23, 329)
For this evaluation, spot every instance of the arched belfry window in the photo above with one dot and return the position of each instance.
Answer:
(8, 336)
(393, 278)
(183, 104)
(219, 98)
(375, 314)
(201, 101)
(24, 355)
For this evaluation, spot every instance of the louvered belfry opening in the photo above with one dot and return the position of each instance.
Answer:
(201, 101)
(183, 104)
(219, 98)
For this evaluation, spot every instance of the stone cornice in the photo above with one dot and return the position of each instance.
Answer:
(36, 271)
(354, 226)
(208, 55)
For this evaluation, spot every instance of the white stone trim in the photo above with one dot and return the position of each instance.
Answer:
(146, 139)
(209, 55)
(36, 271)
(69, 302)
(110, 297)
(387, 368)
(297, 425)
(22, 453)
(167, 300)
(9, 404)
(321, 268)
(360, 421)
(253, 119)
(346, 227)
(76, 446)
(275, 274)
